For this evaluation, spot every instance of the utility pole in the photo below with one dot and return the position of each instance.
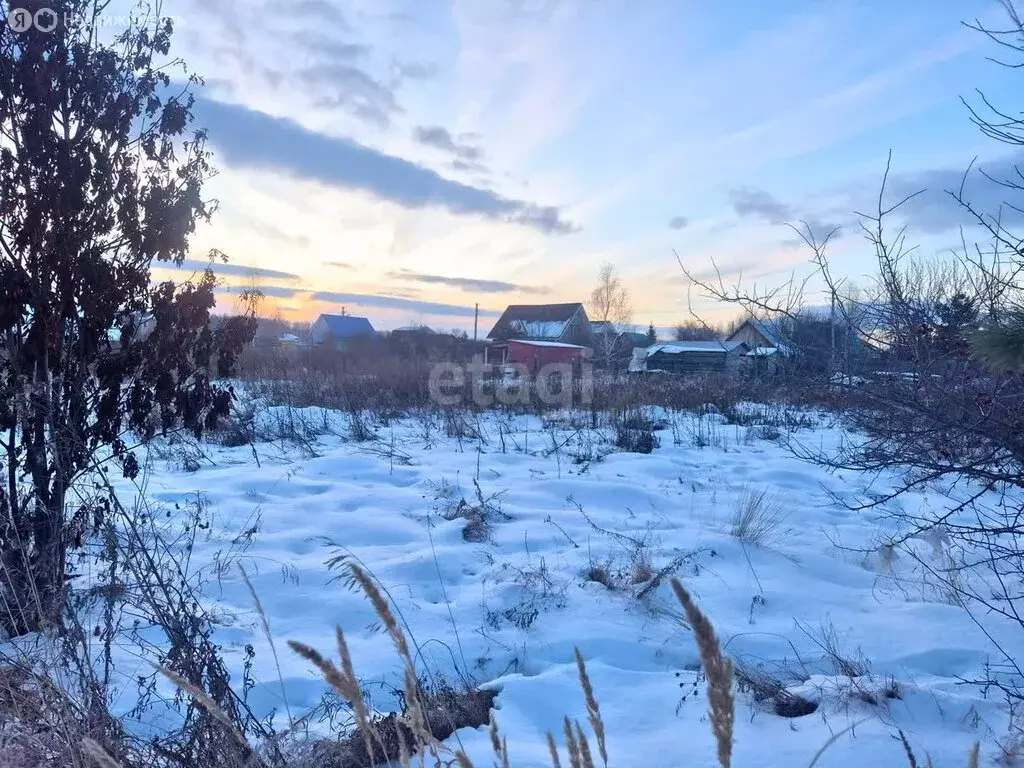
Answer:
(476, 318)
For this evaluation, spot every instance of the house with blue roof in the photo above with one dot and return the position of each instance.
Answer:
(339, 330)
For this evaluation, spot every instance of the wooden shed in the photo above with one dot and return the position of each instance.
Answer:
(692, 357)
(533, 355)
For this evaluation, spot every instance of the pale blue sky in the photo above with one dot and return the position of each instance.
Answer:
(375, 149)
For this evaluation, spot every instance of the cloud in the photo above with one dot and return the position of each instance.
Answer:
(467, 283)
(935, 211)
(316, 42)
(391, 302)
(340, 264)
(252, 43)
(231, 268)
(758, 204)
(251, 139)
(346, 86)
(439, 138)
(467, 156)
(270, 291)
(678, 222)
(749, 202)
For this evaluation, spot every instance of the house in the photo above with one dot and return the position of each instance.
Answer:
(339, 330)
(687, 357)
(768, 345)
(531, 356)
(761, 336)
(564, 323)
(556, 333)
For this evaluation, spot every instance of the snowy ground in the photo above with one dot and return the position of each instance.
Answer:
(507, 609)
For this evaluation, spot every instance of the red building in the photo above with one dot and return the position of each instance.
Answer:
(533, 355)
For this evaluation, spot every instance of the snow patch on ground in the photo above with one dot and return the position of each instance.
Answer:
(507, 607)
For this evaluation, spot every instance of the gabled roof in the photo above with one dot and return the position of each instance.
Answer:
(768, 331)
(343, 326)
(534, 321)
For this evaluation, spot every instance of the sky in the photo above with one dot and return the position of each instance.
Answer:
(409, 160)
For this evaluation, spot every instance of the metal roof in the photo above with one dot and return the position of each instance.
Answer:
(343, 326)
(544, 321)
(677, 347)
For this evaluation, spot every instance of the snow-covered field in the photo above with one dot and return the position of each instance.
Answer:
(506, 607)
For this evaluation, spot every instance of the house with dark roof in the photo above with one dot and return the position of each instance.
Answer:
(763, 337)
(536, 334)
(339, 330)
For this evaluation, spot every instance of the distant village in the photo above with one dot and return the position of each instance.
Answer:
(529, 336)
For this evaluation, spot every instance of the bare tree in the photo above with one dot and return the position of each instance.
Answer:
(610, 305)
(932, 409)
(692, 330)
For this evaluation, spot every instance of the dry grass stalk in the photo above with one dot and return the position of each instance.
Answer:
(417, 720)
(404, 755)
(331, 674)
(344, 682)
(719, 671)
(758, 517)
(575, 761)
(593, 708)
(584, 742)
(381, 607)
(415, 717)
(265, 624)
(203, 700)
(99, 755)
(355, 694)
(553, 749)
(974, 758)
(910, 752)
(498, 743)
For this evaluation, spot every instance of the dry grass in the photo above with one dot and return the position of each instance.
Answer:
(758, 518)
(719, 671)
(416, 734)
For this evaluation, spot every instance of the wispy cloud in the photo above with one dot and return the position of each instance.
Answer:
(252, 43)
(230, 268)
(678, 222)
(440, 138)
(270, 291)
(253, 139)
(758, 204)
(935, 211)
(392, 302)
(467, 283)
